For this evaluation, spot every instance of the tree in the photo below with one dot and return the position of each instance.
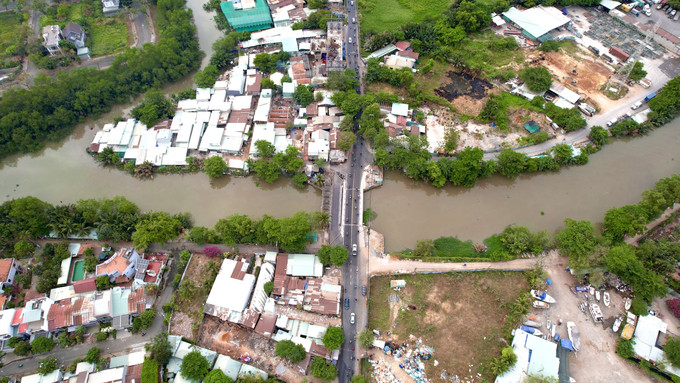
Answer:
(47, 365)
(511, 163)
(215, 167)
(103, 283)
(323, 370)
(625, 348)
(149, 371)
(324, 255)
(627, 220)
(90, 264)
(562, 154)
(346, 140)
(471, 16)
(23, 248)
(41, 345)
(538, 79)
(366, 338)
(291, 351)
(268, 287)
(599, 135)
(638, 73)
(22, 348)
(92, 355)
(451, 137)
(425, 248)
(194, 366)
(358, 379)
(217, 376)
(339, 255)
(577, 240)
(206, 78)
(265, 149)
(155, 107)
(143, 321)
(159, 349)
(299, 180)
(646, 284)
(303, 95)
(268, 83)
(155, 227)
(333, 338)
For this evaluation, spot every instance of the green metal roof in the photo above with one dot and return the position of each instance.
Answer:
(253, 19)
(532, 127)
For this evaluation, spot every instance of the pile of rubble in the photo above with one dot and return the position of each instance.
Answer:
(382, 373)
(410, 357)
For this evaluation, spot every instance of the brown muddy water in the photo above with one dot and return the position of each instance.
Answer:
(409, 211)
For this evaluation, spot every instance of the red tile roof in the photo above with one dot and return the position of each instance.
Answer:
(402, 45)
(85, 285)
(3, 300)
(409, 54)
(18, 316)
(5, 267)
(136, 301)
(32, 294)
(116, 263)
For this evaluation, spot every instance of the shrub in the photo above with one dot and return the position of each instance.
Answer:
(625, 348)
(194, 366)
(102, 336)
(674, 306)
(149, 371)
(92, 355)
(41, 345)
(268, 287)
(212, 251)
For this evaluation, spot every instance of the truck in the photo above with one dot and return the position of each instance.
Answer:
(650, 96)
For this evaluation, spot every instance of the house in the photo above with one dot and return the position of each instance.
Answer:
(110, 7)
(535, 356)
(73, 33)
(232, 277)
(7, 272)
(121, 266)
(32, 319)
(6, 329)
(180, 349)
(649, 340)
(51, 35)
(537, 22)
(247, 15)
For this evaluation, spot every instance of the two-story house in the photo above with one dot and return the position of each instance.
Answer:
(51, 35)
(7, 272)
(73, 33)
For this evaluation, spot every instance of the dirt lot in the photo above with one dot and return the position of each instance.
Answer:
(446, 311)
(234, 341)
(596, 361)
(187, 318)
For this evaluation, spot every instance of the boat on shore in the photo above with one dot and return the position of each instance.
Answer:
(617, 324)
(542, 296)
(597, 295)
(574, 336)
(591, 290)
(540, 305)
(553, 330)
(531, 330)
(606, 299)
(628, 303)
(533, 324)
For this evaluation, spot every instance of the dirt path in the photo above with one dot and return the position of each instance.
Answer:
(634, 240)
(392, 265)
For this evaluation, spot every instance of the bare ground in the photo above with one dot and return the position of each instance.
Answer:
(187, 318)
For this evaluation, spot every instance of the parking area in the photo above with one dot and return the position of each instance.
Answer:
(596, 360)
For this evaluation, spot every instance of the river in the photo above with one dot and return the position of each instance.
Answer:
(409, 211)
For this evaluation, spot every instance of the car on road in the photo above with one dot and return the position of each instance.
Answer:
(346, 303)
(636, 105)
(363, 290)
(350, 40)
(354, 20)
(351, 318)
(354, 249)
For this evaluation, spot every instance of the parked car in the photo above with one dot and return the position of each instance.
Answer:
(636, 105)
(677, 17)
(673, 13)
(612, 122)
(354, 249)
(594, 49)
(363, 290)
(351, 318)
(346, 303)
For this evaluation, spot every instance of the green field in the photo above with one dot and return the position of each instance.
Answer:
(107, 38)
(382, 15)
(12, 33)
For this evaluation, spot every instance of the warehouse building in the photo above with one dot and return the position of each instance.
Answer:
(247, 15)
(537, 22)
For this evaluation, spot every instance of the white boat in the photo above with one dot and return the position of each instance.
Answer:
(573, 335)
(533, 324)
(628, 303)
(542, 296)
(540, 305)
(547, 324)
(591, 290)
(597, 295)
(553, 331)
(538, 333)
(617, 324)
(606, 299)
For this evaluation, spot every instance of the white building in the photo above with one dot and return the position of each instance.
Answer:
(7, 272)
(535, 356)
(232, 278)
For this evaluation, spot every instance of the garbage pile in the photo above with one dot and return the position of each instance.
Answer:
(410, 357)
(382, 373)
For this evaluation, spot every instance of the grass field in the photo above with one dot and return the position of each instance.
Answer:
(382, 15)
(108, 38)
(460, 315)
(11, 32)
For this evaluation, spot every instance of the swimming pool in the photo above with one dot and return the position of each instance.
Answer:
(78, 271)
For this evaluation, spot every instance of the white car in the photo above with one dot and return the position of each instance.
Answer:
(354, 20)
(636, 105)
(350, 40)
(354, 249)
(351, 318)
(612, 122)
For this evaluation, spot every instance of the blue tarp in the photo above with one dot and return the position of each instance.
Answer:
(566, 343)
(542, 294)
(527, 329)
(548, 281)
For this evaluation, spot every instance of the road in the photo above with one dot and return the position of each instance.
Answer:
(581, 135)
(352, 42)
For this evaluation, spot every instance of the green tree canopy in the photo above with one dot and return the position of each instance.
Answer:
(577, 241)
(155, 227)
(511, 163)
(599, 135)
(47, 365)
(42, 344)
(159, 349)
(672, 350)
(538, 79)
(217, 376)
(333, 338)
(303, 95)
(92, 355)
(154, 108)
(627, 220)
(215, 167)
(346, 140)
(194, 366)
(149, 371)
(321, 369)
(291, 351)
(366, 338)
